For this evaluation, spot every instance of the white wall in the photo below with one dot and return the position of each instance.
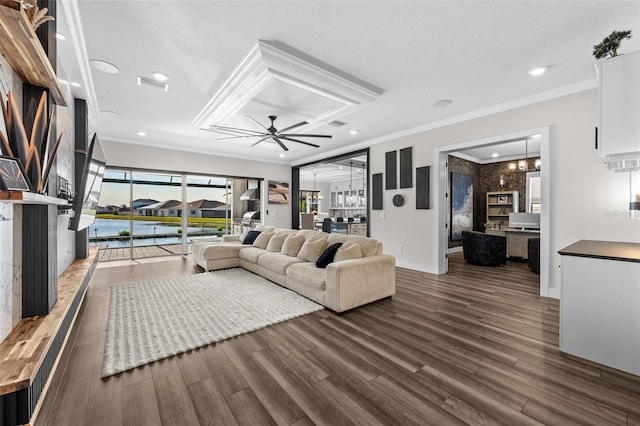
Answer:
(586, 201)
(145, 157)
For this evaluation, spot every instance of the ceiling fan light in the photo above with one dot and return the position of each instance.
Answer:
(160, 76)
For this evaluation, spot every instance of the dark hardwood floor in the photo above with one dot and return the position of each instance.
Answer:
(474, 346)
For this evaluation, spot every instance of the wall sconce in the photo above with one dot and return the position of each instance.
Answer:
(501, 181)
(537, 163)
(522, 165)
(512, 166)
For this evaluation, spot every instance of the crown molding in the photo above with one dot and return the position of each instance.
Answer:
(266, 63)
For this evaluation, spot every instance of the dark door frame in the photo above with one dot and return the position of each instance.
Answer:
(295, 184)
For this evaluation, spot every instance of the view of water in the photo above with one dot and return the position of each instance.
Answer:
(164, 232)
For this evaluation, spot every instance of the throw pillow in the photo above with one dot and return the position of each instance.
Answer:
(243, 236)
(276, 242)
(348, 251)
(292, 245)
(312, 249)
(263, 239)
(327, 256)
(251, 237)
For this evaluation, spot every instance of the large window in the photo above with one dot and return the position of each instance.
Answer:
(148, 213)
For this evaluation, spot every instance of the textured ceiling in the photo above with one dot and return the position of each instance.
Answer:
(417, 52)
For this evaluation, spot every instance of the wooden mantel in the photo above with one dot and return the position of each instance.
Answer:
(21, 48)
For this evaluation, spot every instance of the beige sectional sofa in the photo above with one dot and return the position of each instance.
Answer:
(360, 273)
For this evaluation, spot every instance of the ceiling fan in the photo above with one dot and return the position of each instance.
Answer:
(270, 133)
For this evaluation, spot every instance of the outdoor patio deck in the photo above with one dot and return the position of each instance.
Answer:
(123, 253)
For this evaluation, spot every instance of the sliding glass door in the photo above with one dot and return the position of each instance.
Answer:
(149, 213)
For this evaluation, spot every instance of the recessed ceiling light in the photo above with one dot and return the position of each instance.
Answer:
(340, 168)
(74, 84)
(538, 71)
(353, 132)
(104, 66)
(281, 155)
(160, 76)
(60, 36)
(142, 134)
(442, 103)
(494, 155)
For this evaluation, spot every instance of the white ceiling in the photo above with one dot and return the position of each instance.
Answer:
(416, 52)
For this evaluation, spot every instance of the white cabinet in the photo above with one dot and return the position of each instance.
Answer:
(619, 106)
(600, 303)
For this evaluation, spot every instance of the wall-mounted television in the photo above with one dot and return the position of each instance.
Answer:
(88, 195)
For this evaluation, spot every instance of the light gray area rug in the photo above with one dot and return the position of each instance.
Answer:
(152, 320)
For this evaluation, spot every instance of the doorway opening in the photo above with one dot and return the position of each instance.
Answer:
(497, 170)
(331, 194)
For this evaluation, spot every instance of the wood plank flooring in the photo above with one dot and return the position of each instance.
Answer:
(474, 346)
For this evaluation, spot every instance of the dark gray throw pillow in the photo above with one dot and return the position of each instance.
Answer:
(327, 256)
(251, 237)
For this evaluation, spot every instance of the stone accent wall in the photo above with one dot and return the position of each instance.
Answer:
(486, 178)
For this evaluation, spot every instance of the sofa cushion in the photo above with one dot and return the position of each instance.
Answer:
(310, 234)
(368, 246)
(251, 237)
(262, 240)
(349, 250)
(251, 254)
(292, 245)
(275, 243)
(307, 273)
(327, 255)
(219, 250)
(264, 228)
(312, 249)
(277, 262)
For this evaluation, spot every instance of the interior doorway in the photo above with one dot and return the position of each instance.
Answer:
(443, 191)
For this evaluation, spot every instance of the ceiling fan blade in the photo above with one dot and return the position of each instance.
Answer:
(261, 140)
(304, 135)
(235, 129)
(302, 123)
(279, 142)
(299, 141)
(241, 136)
(248, 116)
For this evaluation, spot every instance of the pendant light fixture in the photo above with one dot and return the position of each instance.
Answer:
(351, 184)
(523, 165)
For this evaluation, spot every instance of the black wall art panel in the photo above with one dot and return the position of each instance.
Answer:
(422, 187)
(376, 192)
(406, 168)
(391, 170)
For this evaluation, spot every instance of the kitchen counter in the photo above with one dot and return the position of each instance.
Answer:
(600, 303)
(625, 252)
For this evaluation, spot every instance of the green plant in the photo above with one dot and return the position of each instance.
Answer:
(220, 228)
(610, 44)
(33, 150)
(124, 233)
(179, 231)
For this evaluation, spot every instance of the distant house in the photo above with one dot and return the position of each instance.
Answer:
(141, 202)
(207, 208)
(173, 208)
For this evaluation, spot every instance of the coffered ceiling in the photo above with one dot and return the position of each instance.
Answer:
(403, 57)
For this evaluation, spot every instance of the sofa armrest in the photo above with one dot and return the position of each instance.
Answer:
(229, 238)
(355, 282)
